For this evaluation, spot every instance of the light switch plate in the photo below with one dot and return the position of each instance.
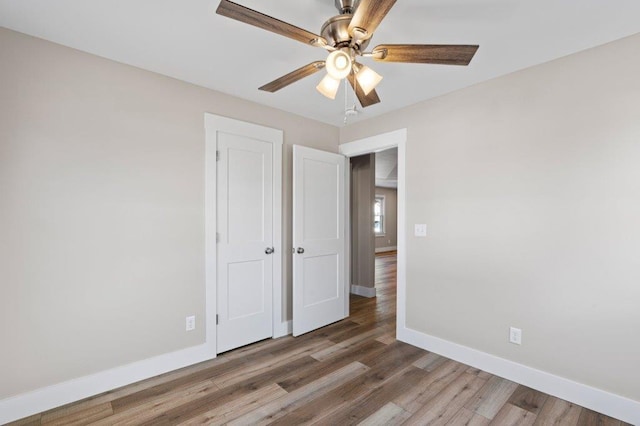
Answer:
(191, 323)
(420, 230)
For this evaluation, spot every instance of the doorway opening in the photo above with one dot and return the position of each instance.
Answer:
(373, 201)
(379, 313)
(385, 230)
(377, 257)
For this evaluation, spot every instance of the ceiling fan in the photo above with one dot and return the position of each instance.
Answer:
(346, 36)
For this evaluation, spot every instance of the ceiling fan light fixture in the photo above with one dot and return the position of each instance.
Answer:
(367, 78)
(328, 86)
(347, 36)
(338, 64)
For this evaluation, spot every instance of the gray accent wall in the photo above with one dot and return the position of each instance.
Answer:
(362, 239)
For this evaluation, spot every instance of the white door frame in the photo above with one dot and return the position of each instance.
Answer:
(396, 138)
(213, 124)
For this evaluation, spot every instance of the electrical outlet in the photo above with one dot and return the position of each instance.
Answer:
(515, 335)
(191, 323)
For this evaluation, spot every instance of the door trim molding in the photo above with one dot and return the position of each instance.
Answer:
(213, 124)
(396, 138)
(210, 229)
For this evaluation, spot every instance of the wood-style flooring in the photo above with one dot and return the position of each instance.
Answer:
(351, 372)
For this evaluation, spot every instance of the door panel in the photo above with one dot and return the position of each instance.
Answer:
(319, 269)
(320, 186)
(245, 278)
(245, 270)
(247, 191)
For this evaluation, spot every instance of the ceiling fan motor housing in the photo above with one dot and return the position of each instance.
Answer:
(346, 6)
(336, 32)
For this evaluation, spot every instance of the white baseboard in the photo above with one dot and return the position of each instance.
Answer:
(384, 249)
(30, 403)
(604, 402)
(283, 329)
(27, 404)
(360, 290)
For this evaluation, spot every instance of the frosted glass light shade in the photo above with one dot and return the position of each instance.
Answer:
(328, 86)
(338, 64)
(368, 79)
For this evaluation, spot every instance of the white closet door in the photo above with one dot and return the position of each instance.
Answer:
(319, 241)
(245, 240)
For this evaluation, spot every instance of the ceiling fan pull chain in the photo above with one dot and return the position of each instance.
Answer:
(346, 100)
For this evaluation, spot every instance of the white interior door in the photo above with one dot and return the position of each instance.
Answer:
(245, 259)
(319, 270)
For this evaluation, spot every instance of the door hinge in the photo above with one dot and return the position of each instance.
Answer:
(216, 319)
(217, 155)
(217, 237)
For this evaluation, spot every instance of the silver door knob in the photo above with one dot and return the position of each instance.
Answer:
(269, 250)
(300, 250)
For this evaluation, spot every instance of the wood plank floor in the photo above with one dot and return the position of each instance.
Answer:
(351, 372)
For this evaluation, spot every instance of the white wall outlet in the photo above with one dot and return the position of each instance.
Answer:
(515, 335)
(191, 323)
(420, 230)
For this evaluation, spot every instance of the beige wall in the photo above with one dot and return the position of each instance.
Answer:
(102, 209)
(390, 237)
(530, 187)
(363, 181)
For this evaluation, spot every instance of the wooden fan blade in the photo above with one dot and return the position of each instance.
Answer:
(249, 16)
(365, 100)
(293, 76)
(425, 53)
(369, 14)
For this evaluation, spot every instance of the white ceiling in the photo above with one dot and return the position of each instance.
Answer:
(185, 39)
(387, 168)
